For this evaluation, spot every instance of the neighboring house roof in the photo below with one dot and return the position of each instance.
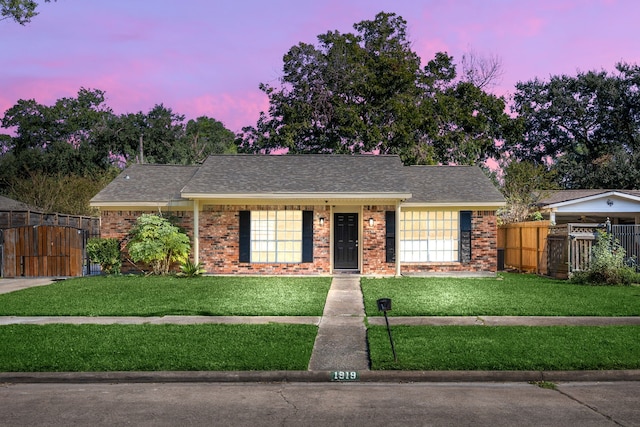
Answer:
(7, 204)
(242, 175)
(560, 196)
(146, 184)
(450, 185)
(320, 176)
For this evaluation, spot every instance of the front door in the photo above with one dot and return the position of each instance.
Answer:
(345, 241)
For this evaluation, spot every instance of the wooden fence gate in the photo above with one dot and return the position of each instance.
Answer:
(43, 251)
(524, 246)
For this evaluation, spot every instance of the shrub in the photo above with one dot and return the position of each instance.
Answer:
(607, 264)
(191, 269)
(157, 242)
(105, 252)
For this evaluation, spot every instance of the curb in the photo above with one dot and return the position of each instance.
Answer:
(315, 376)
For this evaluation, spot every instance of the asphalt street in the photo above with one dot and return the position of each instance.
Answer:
(328, 404)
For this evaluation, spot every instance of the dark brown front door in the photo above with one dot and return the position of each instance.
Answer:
(345, 241)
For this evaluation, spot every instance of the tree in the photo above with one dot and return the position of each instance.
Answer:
(61, 155)
(205, 136)
(481, 71)
(355, 93)
(524, 185)
(365, 92)
(581, 124)
(161, 136)
(21, 11)
(59, 193)
(59, 138)
(155, 241)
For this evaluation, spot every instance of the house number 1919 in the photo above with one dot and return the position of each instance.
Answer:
(344, 376)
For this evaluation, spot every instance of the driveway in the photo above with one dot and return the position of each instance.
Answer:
(10, 285)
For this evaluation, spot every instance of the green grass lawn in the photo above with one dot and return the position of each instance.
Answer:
(93, 348)
(506, 348)
(160, 296)
(509, 295)
(60, 347)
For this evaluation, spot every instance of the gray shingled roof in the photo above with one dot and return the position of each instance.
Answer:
(559, 196)
(450, 184)
(228, 175)
(147, 183)
(255, 174)
(7, 204)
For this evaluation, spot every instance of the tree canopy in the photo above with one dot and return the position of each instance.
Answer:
(74, 147)
(366, 92)
(587, 127)
(20, 11)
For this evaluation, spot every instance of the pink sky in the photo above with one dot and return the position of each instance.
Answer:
(203, 57)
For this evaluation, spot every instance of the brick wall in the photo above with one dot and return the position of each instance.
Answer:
(219, 241)
(374, 242)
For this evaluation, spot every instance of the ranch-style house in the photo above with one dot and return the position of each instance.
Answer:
(316, 214)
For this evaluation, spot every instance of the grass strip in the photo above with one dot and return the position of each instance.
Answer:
(160, 296)
(519, 348)
(94, 348)
(507, 295)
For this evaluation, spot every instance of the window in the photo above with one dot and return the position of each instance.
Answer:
(276, 236)
(429, 236)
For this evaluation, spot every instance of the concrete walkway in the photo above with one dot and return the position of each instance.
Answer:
(341, 342)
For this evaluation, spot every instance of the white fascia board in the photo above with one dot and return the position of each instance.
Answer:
(594, 197)
(296, 196)
(171, 204)
(461, 205)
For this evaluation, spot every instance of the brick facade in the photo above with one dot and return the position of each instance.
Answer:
(374, 242)
(219, 241)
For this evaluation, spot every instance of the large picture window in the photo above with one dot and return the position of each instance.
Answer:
(429, 236)
(276, 236)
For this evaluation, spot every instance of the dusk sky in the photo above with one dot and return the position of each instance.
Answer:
(207, 57)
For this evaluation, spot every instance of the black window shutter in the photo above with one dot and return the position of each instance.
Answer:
(465, 236)
(390, 237)
(307, 236)
(245, 236)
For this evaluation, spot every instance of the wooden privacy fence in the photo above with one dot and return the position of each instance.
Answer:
(523, 246)
(43, 251)
(560, 250)
(61, 258)
(14, 218)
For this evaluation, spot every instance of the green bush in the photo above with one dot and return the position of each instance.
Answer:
(607, 264)
(105, 252)
(157, 242)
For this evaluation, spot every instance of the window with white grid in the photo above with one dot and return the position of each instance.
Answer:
(429, 236)
(276, 236)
